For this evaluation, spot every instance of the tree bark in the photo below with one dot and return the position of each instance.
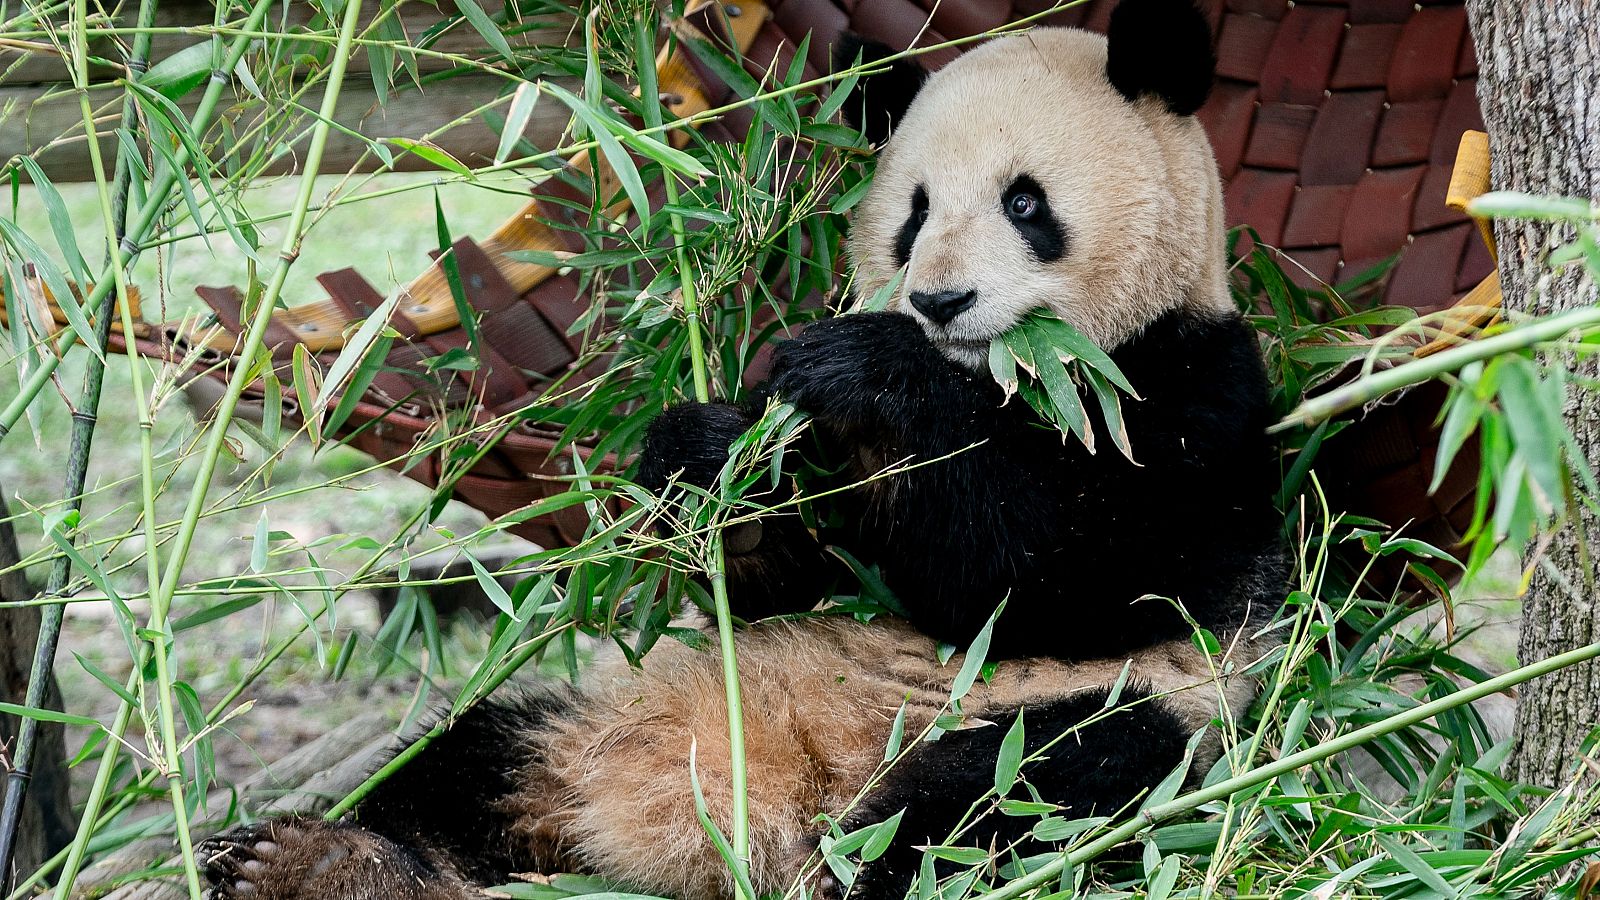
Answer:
(47, 816)
(1539, 85)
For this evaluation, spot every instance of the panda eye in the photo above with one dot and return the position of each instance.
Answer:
(1023, 206)
(1027, 205)
(919, 205)
(907, 236)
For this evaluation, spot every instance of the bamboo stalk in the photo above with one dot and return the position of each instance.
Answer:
(158, 647)
(84, 420)
(738, 769)
(1370, 387)
(1246, 780)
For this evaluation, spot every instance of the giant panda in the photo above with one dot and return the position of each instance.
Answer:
(1057, 169)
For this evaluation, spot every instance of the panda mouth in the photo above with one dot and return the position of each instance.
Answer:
(971, 344)
(970, 352)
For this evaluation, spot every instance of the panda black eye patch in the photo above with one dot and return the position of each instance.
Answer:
(1025, 204)
(907, 237)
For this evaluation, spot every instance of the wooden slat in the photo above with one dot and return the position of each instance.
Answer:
(18, 66)
(32, 117)
(1470, 180)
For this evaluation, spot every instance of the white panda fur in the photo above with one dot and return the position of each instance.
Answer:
(1142, 191)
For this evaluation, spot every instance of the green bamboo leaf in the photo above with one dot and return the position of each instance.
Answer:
(644, 68)
(181, 72)
(883, 833)
(1062, 391)
(47, 715)
(621, 163)
(432, 152)
(354, 355)
(1070, 342)
(837, 95)
(306, 388)
(1516, 205)
(1294, 727)
(486, 28)
(1527, 833)
(972, 664)
(663, 153)
(1009, 762)
(1415, 864)
(260, 545)
(1463, 410)
(60, 289)
(897, 735)
(55, 209)
(563, 500)
(1166, 875)
(1114, 696)
(741, 873)
(1003, 366)
(214, 612)
(1537, 437)
(452, 276)
(166, 114)
(522, 104)
(491, 588)
(372, 362)
(111, 684)
(1026, 808)
(1110, 411)
(961, 856)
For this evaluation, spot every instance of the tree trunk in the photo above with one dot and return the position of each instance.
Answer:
(1539, 85)
(47, 816)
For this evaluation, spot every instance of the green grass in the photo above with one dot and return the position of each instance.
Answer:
(386, 238)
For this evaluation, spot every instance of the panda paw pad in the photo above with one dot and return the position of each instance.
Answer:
(273, 860)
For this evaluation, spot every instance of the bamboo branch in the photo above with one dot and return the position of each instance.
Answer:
(1370, 387)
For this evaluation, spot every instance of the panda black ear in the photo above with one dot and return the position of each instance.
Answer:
(1162, 48)
(877, 102)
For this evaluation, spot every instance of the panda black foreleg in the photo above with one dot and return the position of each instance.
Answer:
(874, 377)
(774, 564)
(1097, 768)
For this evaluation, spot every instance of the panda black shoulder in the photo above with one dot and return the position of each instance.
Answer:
(1209, 362)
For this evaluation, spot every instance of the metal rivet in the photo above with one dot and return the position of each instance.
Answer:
(733, 10)
(420, 307)
(309, 327)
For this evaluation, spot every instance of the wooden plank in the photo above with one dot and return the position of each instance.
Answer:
(19, 66)
(33, 117)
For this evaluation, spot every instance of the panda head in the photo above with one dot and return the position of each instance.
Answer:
(1055, 168)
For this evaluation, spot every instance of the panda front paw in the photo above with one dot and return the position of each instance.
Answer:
(864, 371)
(691, 439)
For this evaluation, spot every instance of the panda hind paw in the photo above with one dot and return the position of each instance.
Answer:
(302, 858)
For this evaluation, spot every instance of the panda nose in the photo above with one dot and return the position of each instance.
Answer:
(942, 306)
